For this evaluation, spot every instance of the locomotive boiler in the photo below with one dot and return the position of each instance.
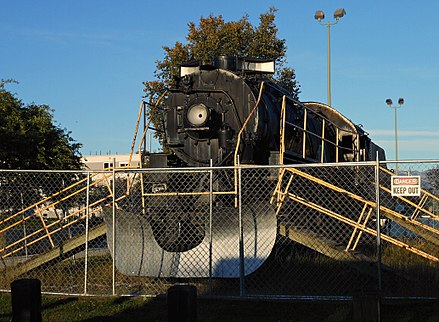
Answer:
(221, 113)
(209, 104)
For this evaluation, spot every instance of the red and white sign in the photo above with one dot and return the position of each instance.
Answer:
(406, 185)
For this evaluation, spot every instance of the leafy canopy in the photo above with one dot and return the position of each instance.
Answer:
(214, 37)
(29, 138)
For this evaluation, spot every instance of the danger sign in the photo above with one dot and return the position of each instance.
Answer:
(406, 186)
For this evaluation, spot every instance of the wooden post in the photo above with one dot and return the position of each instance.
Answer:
(182, 303)
(26, 300)
(367, 307)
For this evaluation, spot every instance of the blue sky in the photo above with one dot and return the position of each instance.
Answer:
(88, 59)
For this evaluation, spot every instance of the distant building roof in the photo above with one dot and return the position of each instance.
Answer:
(103, 162)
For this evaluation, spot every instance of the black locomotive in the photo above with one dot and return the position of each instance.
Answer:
(209, 104)
(217, 112)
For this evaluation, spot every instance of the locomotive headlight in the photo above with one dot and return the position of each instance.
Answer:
(197, 114)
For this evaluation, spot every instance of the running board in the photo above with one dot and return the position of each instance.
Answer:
(427, 232)
(58, 253)
(329, 248)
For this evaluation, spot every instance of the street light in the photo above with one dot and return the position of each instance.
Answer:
(319, 16)
(389, 102)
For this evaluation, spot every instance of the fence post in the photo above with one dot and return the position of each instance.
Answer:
(87, 213)
(210, 223)
(113, 244)
(367, 305)
(241, 235)
(378, 220)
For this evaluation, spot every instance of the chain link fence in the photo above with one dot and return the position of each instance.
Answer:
(303, 230)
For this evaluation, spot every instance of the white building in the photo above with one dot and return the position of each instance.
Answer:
(106, 162)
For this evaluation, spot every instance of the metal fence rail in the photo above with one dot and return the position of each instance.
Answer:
(302, 230)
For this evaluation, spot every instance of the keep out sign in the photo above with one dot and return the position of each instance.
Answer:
(406, 185)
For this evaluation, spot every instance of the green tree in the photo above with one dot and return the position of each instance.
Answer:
(30, 139)
(432, 176)
(215, 37)
(431, 184)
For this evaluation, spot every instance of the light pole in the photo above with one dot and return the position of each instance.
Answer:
(319, 16)
(395, 107)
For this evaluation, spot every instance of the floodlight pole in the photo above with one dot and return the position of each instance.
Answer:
(395, 107)
(328, 24)
(319, 15)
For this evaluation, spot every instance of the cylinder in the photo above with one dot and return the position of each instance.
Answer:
(182, 303)
(26, 300)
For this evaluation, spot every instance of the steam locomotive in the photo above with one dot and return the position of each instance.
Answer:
(210, 110)
(210, 103)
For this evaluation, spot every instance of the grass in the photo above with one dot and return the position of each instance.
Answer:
(297, 271)
(57, 308)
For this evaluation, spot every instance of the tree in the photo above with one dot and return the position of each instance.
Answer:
(215, 37)
(432, 176)
(29, 138)
(431, 184)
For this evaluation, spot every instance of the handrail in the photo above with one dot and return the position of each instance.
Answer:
(357, 225)
(238, 142)
(326, 122)
(362, 227)
(424, 192)
(136, 130)
(153, 111)
(52, 204)
(50, 233)
(71, 193)
(282, 131)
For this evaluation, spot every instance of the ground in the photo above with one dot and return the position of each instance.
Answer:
(91, 309)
